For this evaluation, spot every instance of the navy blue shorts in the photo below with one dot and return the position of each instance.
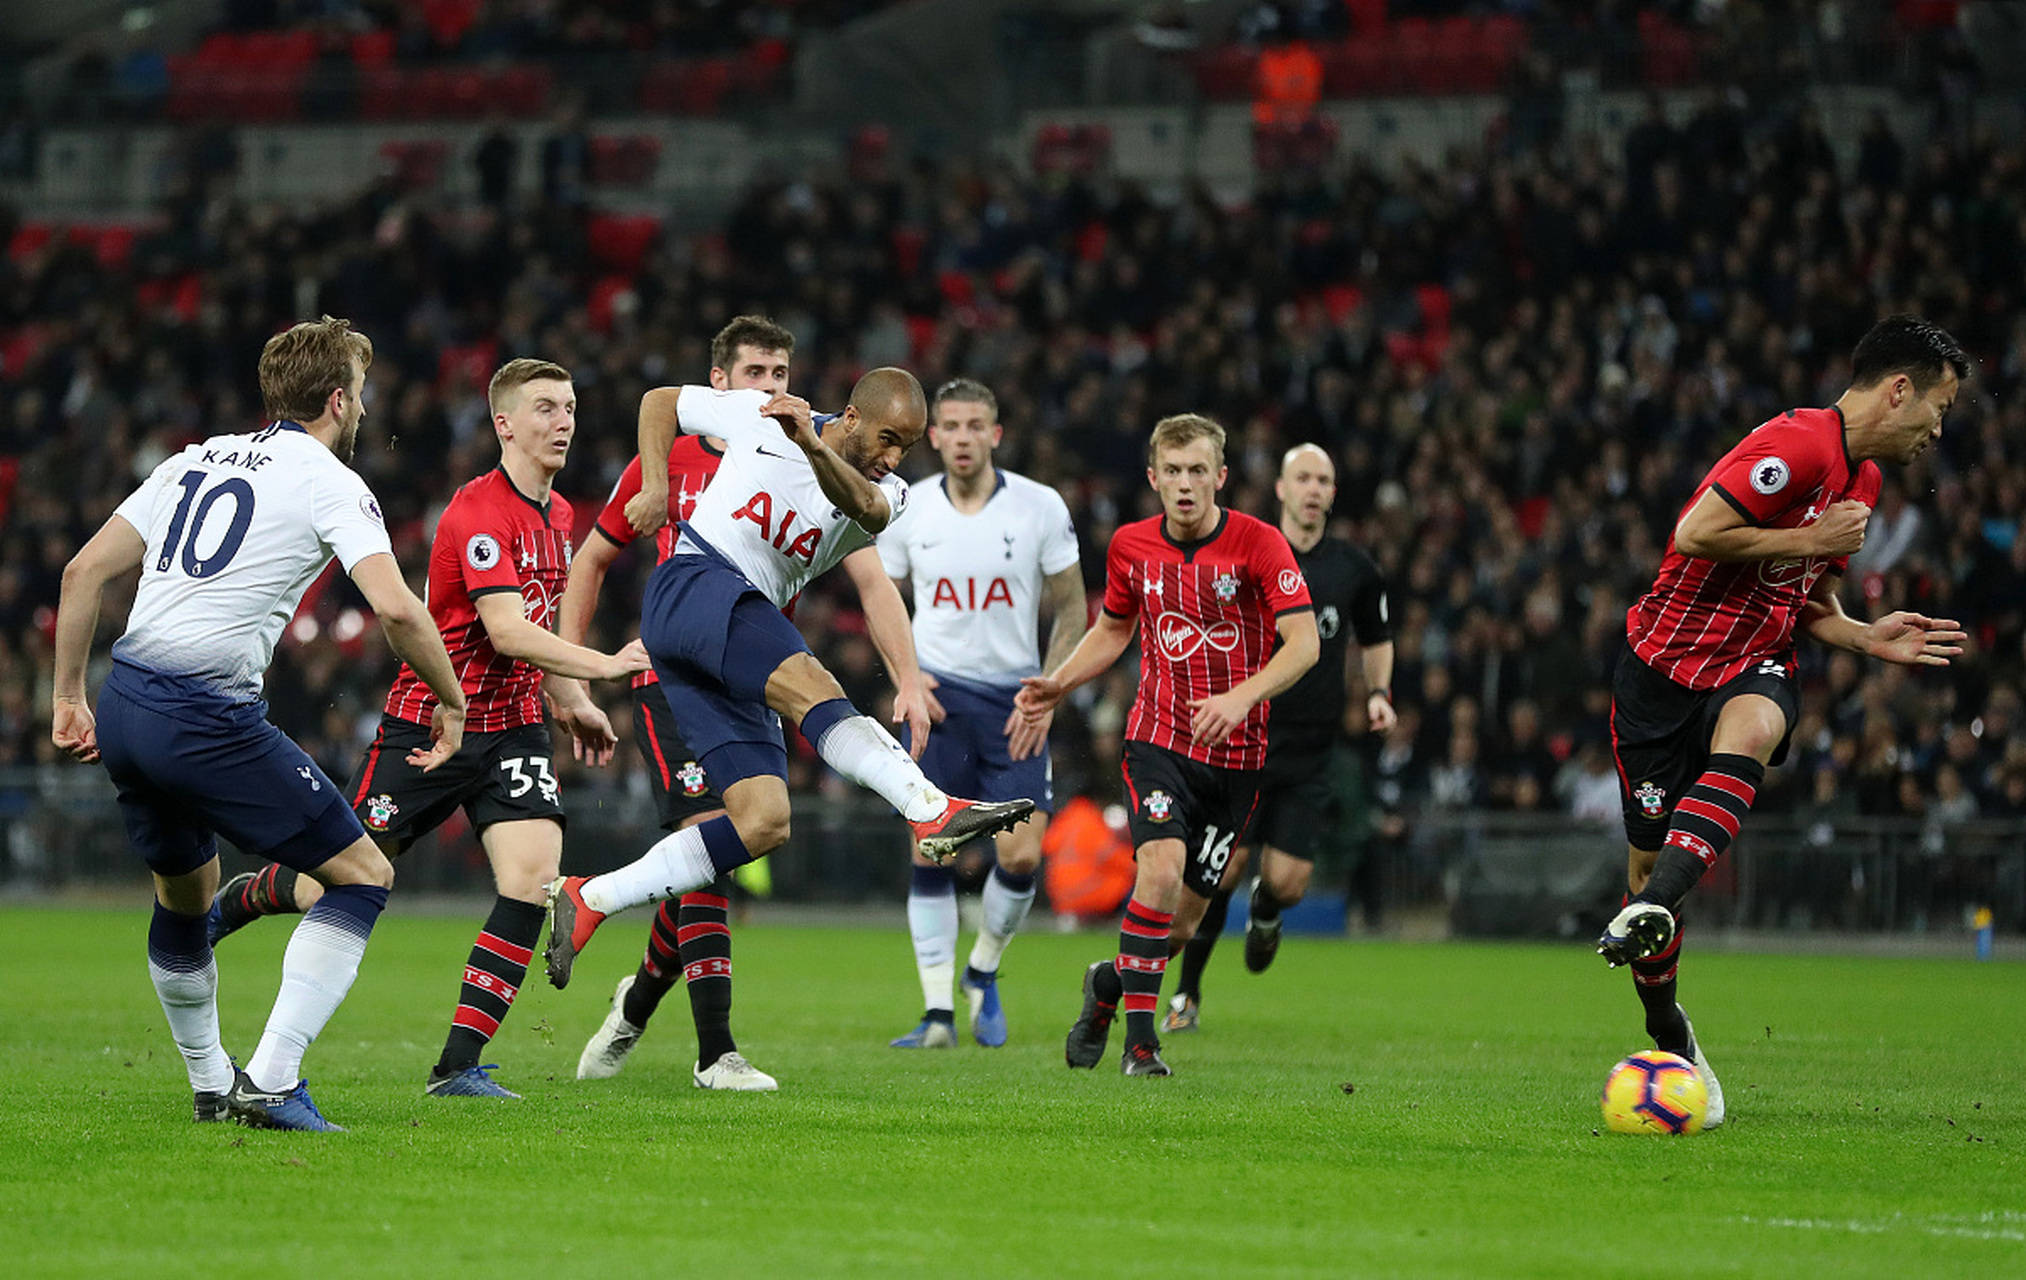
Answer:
(191, 765)
(714, 640)
(967, 754)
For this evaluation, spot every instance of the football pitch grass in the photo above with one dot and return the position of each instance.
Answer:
(1366, 1108)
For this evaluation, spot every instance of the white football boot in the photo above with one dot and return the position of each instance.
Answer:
(612, 1041)
(1709, 1081)
(732, 1071)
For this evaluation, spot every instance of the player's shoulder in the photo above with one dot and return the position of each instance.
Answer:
(1811, 433)
(689, 455)
(1250, 530)
(1139, 535)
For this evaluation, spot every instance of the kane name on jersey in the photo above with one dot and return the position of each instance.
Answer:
(1706, 622)
(1207, 613)
(490, 538)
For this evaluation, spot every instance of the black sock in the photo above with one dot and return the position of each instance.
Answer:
(1265, 907)
(1189, 977)
(660, 968)
(1142, 960)
(1703, 824)
(704, 940)
(1675, 872)
(270, 892)
(492, 978)
(1655, 979)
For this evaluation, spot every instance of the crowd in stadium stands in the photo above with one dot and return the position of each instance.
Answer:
(1523, 361)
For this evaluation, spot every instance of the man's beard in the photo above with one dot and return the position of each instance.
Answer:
(348, 442)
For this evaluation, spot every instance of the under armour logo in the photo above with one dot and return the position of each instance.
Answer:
(309, 776)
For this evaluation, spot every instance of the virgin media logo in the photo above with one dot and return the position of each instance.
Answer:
(1181, 637)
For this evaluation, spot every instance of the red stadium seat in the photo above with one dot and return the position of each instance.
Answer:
(522, 90)
(28, 238)
(598, 308)
(373, 48)
(621, 241)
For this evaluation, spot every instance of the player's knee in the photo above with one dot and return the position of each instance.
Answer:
(1288, 887)
(762, 830)
(362, 863)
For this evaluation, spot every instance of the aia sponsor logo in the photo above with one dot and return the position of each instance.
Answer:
(964, 593)
(796, 546)
(1181, 638)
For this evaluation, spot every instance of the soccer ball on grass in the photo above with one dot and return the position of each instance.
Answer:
(1655, 1092)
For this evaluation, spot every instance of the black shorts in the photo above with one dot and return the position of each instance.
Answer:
(503, 776)
(681, 791)
(1660, 732)
(1298, 807)
(1176, 798)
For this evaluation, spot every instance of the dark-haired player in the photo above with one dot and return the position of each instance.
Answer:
(1296, 805)
(496, 571)
(1215, 589)
(1705, 699)
(690, 939)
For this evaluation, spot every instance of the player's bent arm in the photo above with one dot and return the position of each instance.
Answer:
(1072, 615)
(411, 632)
(857, 497)
(1300, 645)
(657, 429)
(1093, 655)
(1713, 529)
(500, 612)
(114, 550)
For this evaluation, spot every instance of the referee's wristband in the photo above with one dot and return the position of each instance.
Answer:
(1387, 694)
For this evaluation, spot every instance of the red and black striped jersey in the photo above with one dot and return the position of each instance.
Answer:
(491, 537)
(1208, 611)
(691, 464)
(1706, 622)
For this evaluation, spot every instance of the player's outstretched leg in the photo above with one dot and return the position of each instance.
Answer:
(1007, 898)
(932, 927)
(250, 895)
(185, 975)
(679, 863)
(1185, 1006)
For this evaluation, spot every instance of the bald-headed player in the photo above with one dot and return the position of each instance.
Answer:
(1296, 804)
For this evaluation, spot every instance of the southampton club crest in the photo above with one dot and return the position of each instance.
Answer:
(1652, 800)
(1226, 587)
(1158, 804)
(691, 777)
(380, 811)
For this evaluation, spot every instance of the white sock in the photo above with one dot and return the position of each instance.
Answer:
(1004, 910)
(858, 748)
(190, 999)
(676, 865)
(316, 971)
(932, 919)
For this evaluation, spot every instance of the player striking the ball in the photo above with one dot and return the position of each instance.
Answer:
(1705, 700)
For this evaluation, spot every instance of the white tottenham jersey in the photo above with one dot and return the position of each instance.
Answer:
(978, 578)
(764, 510)
(237, 529)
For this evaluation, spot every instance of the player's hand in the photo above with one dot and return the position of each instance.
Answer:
(1379, 714)
(1038, 696)
(630, 660)
(592, 740)
(911, 707)
(1027, 738)
(647, 510)
(929, 686)
(446, 735)
(1213, 718)
(794, 415)
(74, 731)
(1915, 640)
(1840, 530)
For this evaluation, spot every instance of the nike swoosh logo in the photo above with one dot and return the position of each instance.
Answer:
(757, 449)
(927, 545)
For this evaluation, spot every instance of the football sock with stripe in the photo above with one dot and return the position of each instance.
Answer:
(1655, 980)
(1265, 908)
(492, 978)
(704, 939)
(270, 892)
(1005, 902)
(1705, 822)
(1143, 959)
(932, 923)
(660, 968)
(680, 863)
(186, 982)
(1196, 955)
(316, 971)
(860, 749)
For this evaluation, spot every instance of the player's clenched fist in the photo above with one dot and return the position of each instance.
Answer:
(1840, 531)
(647, 510)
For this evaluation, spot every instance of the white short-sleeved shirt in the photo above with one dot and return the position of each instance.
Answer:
(978, 578)
(764, 510)
(237, 529)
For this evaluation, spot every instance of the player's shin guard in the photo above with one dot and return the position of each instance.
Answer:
(1004, 904)
(860, 749)
(186, 982)
(704, 939)
(1654, 978)
(660, 968)
(316, 971)
(493, 974)
(932, 924)
(1196, 955)
(1705, 822)
(1143, 959)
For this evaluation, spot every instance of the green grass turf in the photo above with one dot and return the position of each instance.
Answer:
(1876, 1123)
